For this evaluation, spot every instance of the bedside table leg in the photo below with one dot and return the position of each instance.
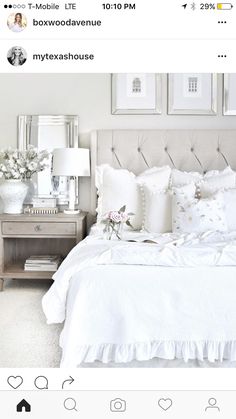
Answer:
(1, 284)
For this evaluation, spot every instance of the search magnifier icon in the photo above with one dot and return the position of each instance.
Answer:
(70, 404)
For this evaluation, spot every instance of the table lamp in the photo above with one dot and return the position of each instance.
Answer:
(71, 162)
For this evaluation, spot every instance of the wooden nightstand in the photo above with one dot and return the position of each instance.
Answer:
(24, 235)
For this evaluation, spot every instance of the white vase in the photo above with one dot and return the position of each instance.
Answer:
(116, 231)
(31, 189)
(13, 193)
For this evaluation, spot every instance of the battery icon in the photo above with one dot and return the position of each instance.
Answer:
(224, 6)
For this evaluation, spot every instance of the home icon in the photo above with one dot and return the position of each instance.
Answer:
(23, 406)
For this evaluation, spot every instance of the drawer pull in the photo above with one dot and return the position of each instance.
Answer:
(38, 228)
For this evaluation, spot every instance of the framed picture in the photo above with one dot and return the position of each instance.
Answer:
(229, 105)
(192, 94)
(136, 93)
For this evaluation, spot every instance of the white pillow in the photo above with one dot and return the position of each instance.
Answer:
(186, 191)
(212, 173)
(230, 208)
(198, 215)
(156, 176)
(180, 178)
(214, 179)
(118, 187)
(157, 209)
(216, 182)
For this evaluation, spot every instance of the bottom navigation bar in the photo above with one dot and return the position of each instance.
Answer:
(124, 404)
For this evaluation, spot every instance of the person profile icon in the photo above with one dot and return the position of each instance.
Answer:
(212, 405)
(17, 56)
(17, 22)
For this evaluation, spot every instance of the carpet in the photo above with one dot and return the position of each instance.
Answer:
(26, 341)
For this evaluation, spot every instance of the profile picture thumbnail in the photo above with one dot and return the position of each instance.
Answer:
(17, 56)
(16, 22)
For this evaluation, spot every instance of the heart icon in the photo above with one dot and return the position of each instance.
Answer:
(165, 404)
(15, 381)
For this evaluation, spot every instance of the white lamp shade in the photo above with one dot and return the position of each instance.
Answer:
(71, 162)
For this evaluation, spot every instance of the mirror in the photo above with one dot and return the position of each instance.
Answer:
(49, 132)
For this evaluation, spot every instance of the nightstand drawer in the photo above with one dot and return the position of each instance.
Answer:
(41, 228)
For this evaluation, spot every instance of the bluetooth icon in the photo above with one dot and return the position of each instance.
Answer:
(193, 6)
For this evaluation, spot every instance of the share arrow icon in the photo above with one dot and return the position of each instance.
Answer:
(68, 381)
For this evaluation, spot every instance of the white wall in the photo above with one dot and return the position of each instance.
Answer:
(89, 96)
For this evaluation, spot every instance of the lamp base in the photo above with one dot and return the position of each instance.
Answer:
(71, 212)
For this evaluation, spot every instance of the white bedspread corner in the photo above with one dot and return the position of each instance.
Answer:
(172, 297)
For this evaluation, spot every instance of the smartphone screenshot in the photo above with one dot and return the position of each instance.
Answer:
(117, 209)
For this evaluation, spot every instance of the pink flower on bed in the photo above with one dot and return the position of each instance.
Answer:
(115, 216)
(114, 221)
(125, 217)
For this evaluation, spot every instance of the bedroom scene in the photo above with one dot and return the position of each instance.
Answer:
(118, 220)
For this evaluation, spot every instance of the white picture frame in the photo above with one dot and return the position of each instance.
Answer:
(229, 95)
(136, 94)
(192, 94)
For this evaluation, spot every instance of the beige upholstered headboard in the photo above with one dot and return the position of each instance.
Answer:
(137, 150)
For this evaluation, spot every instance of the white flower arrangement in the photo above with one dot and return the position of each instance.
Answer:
(22, 165)
(114, 222)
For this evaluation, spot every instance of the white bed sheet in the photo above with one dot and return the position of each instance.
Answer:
(127, 301)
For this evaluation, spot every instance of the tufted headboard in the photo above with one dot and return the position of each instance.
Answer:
(137, 150)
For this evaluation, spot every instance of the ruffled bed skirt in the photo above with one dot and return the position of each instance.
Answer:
(168, 350)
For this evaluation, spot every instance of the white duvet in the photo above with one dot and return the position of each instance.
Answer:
(172, 296)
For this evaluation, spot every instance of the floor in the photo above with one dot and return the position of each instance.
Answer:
(25, 338)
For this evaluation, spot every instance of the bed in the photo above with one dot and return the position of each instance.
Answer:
(150, 299)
